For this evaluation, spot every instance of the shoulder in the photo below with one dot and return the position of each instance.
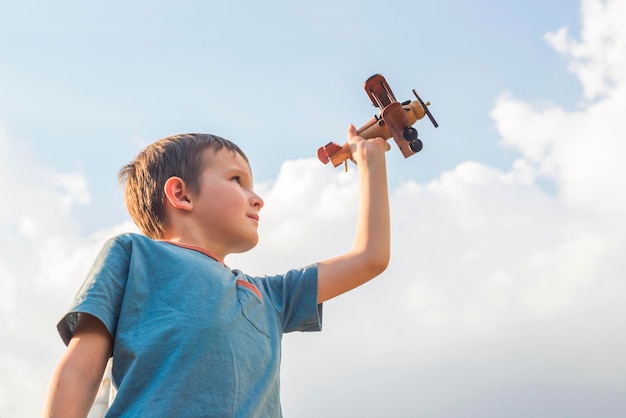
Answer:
(160, 254)
(130, 237)
(130, 240)
(123, 247)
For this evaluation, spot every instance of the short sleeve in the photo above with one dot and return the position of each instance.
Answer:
(102, 291)
(294, 296)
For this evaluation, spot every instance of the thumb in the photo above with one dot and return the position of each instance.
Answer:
(351, 131)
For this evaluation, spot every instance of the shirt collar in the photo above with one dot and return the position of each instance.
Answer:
(196, 248)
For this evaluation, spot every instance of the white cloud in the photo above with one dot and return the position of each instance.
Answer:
(44, 257)
(581, 150)
(598, 58)
(501, 299)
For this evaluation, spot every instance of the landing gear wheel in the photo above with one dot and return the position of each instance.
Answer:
(410, 134)
(416, 145)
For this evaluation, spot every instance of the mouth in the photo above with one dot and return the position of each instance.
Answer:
(254, 217)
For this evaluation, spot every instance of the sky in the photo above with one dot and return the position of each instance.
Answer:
(504, 293)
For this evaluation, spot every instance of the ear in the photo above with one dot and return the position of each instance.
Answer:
(177, 194)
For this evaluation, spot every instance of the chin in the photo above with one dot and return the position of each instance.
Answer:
(248, 246)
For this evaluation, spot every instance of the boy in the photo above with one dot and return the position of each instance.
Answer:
(189, 336)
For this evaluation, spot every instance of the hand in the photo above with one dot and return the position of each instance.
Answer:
(363, 149)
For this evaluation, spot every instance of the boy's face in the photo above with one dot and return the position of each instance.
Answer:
(226, 205)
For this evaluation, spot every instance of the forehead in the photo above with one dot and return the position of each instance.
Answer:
(225, 159)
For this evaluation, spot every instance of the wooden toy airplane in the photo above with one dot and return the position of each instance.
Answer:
(394, 121)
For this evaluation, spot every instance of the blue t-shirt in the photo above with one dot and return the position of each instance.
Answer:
(192, 338)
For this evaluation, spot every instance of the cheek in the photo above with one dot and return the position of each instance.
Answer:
(231, 198)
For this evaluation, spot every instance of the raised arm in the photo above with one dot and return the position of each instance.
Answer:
(77, 378)
(370, 252)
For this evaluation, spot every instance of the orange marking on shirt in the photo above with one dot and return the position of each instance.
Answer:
(251, 287)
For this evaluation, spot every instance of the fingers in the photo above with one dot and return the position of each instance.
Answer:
(352, 133)
(354, 137)
(365, 149)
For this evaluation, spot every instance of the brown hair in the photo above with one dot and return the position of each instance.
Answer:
(144, 178)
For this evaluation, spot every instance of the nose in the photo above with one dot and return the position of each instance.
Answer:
(256, 200)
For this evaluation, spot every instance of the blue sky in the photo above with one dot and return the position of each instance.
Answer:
(504, 291)
(87, 84)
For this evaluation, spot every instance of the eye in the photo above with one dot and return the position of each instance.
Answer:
(236, 179)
